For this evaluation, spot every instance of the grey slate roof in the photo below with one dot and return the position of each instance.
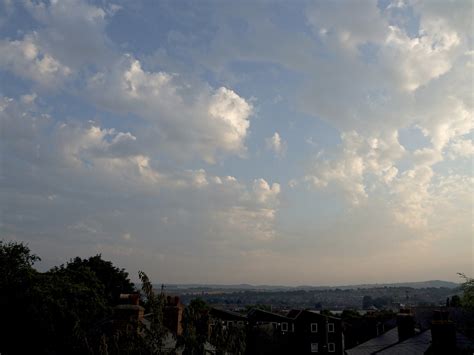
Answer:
(225, 314)
(323, 315)
(387, 344)
(464, 342)
(416, 345)
(375, 344)
(293, 313)
(261, 315)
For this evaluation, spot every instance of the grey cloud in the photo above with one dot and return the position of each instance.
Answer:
(73, 31)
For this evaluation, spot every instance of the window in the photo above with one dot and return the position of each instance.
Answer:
(314, 328)
(314, 347)
(330, 327)
(284, 327)
(331, 347)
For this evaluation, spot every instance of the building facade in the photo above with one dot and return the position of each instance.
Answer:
(315, 333)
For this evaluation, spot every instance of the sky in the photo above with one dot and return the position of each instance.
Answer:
(225, 142)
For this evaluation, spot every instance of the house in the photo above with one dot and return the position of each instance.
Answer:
(317, 333)
(279, 322)
(269, 333)
(297, 332)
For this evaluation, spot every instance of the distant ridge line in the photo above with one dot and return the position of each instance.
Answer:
(419, 284)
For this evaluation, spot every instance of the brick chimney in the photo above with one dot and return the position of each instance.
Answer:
(129, 313)
(173, 314)
(405, 324)
(443, 333)
(130, 298)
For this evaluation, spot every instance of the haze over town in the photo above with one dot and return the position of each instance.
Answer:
(285, 143)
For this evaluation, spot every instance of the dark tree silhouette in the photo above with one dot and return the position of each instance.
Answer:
(62, 311)
(228, 340)
(114, 280)
(455, 301)
(195, 328)
(155, 332)
(468, 292)
(17, 278)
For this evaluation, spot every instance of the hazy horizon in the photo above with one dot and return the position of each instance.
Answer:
(236, 286)
(219, 142)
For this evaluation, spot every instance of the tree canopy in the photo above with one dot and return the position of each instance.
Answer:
(60, 311)
(114, 280)
(468, 292)
(195, 328)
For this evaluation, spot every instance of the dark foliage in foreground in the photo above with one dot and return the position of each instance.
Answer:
(195, 328)
(70, 310)
(63, 311)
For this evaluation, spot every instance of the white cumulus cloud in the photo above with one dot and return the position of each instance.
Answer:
(276, 144)
(183, 120)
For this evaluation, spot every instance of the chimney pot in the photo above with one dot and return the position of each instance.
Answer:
(443, 333)
(405, 324)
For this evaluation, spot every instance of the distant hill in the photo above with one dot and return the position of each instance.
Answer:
(420, 284)
(263, 288)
